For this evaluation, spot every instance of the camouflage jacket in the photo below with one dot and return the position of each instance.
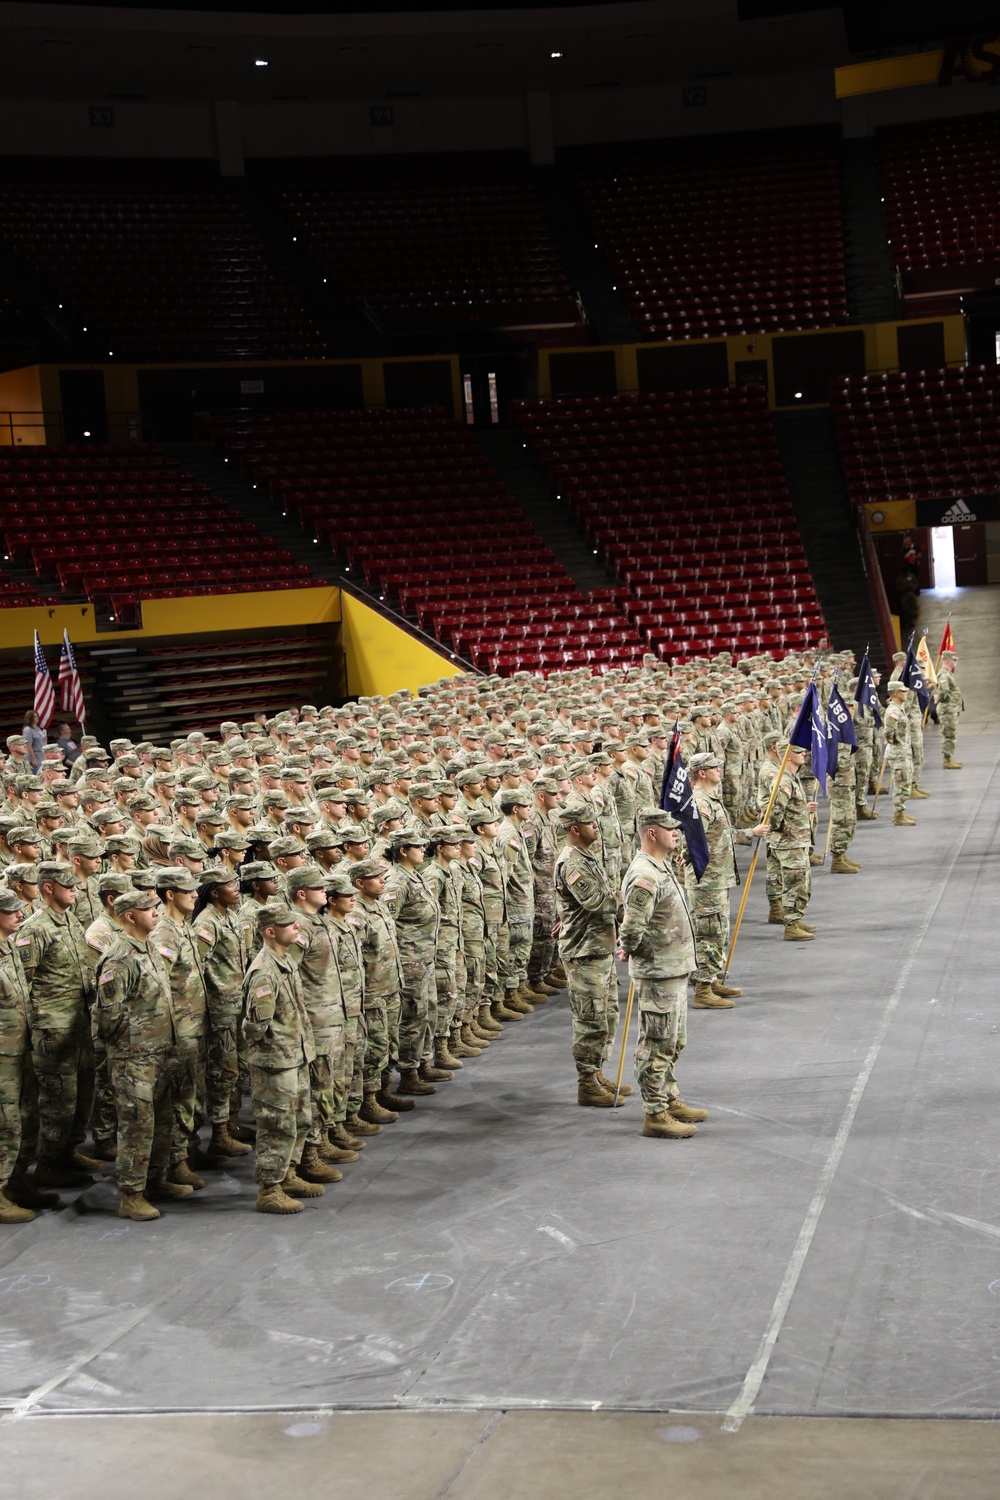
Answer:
(656, 931)
(180, 956)
(586, 904)
(346, 934)
(520, 882)
(134, 1011)
(318, 971)
(789, 821)
(491, 874)
(446, 883)
(379, 951)
(53, 954)
(13, 1003)
(276, 1025)
(473, 906)
(220, 943)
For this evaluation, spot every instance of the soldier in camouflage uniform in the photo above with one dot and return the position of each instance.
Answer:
(442, 874)
(279, 1043)
(133, 1016)
(586, 907)
(414, 911)
(844, 806)
(482, 1028)
(383, 984)
(519, 885)
(347, 930)
(897, 728)
(99, 936)
(542, 839)
(174, 941)
(658, 940)
(865, 732)
(219, 937)
(789, 840)
(948, 697)
(315, 955)
(16, 1130)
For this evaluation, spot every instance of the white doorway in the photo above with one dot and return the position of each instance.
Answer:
(943, 555)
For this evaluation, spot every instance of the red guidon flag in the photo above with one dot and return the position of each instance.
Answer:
(947, 640)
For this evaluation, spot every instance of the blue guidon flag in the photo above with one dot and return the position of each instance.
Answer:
(809, 733)
(866, 693)
(677, 798)
(840, 729)
(912, 676)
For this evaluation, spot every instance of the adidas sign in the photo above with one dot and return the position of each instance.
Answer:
(958, 515)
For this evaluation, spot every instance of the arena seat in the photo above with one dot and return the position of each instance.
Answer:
(411, 507)
(720, 234)
(684, 495)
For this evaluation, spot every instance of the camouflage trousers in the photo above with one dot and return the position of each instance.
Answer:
(445, 990)
(103, 1122)
(281, 1107)
(499, 975)
(731, 796)
(417, 1005)
(381, 1046)
(862, 773)
(475, 978)
(773, 878)
(903, 777)
(542, 958)
(515, 970)
(917, 751)
(843, 817)
(59, 1058)
(222, 1062)
(348, 1069)
(17, 1127)
(590, 982)
(141, 1085)
(491, 986)
(329, 1043)
(187, 1094)
(711, 932)
(796, 882)
(662, 1036)
(948, 719)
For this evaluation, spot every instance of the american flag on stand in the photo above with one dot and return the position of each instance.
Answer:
(69, 684)
(45, 698)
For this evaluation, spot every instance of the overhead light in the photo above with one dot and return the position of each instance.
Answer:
(797, 395)
(555, 54)
(86, 432)
(260, 62)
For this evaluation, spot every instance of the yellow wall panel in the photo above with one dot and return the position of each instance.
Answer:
(892, 515)
(21, 407)
(381, 658)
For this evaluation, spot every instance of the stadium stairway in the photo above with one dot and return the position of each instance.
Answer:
(342, 325)
(588, 272)
(206, 463)
(808, 451)
(871, 291)
(522, 475)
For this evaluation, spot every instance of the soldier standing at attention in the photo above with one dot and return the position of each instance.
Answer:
(789, 840)
(279, 1042)
(844, 807)
(383, 981)
(173, 939)
(658, 940)
(220, 945)
(414, 911)
(948, 697)
(586, 905)
(15, 1066)
(897, 730)
(322, 996)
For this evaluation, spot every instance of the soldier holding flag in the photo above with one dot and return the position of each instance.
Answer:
(789, 842)
(948, 696)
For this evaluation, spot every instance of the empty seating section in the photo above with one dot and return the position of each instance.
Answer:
(444, 232)
(939, 181)
(920, 434)
(114, 524)
(723, 234)
(158, 259)
(684, 495)
(407, 500)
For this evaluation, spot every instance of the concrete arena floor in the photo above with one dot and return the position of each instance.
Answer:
(826, 1246)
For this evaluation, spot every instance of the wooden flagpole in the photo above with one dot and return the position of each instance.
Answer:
(628, 1019)
(753, 862)
(878, 784)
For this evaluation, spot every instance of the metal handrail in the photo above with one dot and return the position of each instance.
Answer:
(876, 587)
(374, 602)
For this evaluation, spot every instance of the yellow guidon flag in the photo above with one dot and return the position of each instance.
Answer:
(924, 661)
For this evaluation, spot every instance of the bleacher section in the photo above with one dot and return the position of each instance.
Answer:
(446, 241)
(939, 180)
(684, 495)
(156, 691)
(721, 234)
(116, 524)
(155, 257)
(409, 503)
(920, 434)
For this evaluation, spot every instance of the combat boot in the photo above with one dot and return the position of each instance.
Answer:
(706, 998)
(488, 1022)
(499, 1012)
(856, 863)
(691, 1114)
(342, 1137)
(327, 1151)
(373, 1112)
(410, 1082)
(535, 993)
(388, 1099)
(806, 926)
(919, 793)
(815, 859)
(553, 983)
(82, 1163)
(951, 764)
(162, 1187)
(272, 1200)
(794, 933)
(246, 1133)
(559, 973)
(443, 1059)
(623, 1090)
(775, 915)
(727, 991)
(357, 1126)
(105, 1150)
(182, 1173)
(471, 1040)
(13, 1213)
(589, 1091)
(313, 1168)
(26, 1195)
(298, 1187)
(901, 820)
(458, 1046)
(431, 1073)
(664, 1127)
(222, 1143)
(514, 1000)
(839, 865)
(134, 1206)
(865, 814)
(481, 1037)
(60, 1174)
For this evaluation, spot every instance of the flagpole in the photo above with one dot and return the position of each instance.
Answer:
(829, 833)
(878, 784)
(753, 862)
(625, 1027)
(936, 665)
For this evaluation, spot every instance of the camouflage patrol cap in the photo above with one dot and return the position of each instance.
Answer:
(258, 869)
(174, 878)
(634, 740)
(57, 872)
(444, 833)
(654, 817)
(23, 833)
(230, 839)
(275, 798)
(899, 656)
(353, 833)
(63, 787)
(142, 802)
(323, 838)
(949, 656)
(185, 797)
(296, 774)
(11, 902)
(216, 875)
(357, 796)
(366, 869)
(770, 738)
(545, 784)
(122, 843)
(340, 883)
(387, 812)
(113, 882)
(21, 874)
(275, 914)
(86, 845)
(576, 812)
(900, 687)
(136, 900)
(304, 813)
(305, 878)
(285, 846)
(407, 838)
(237, 803)
(514, 797)
(704, 761)
(426, 790)
(261, 833)
(212, 816)
(165, 778)
(188, 848)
